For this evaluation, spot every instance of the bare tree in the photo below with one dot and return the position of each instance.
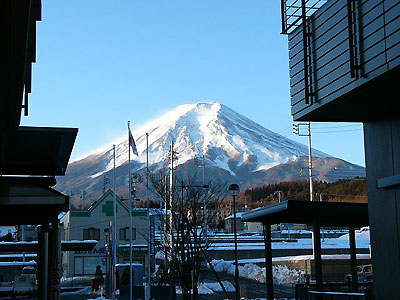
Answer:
(190, 223)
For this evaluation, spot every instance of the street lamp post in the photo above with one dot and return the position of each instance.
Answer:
(234, 190)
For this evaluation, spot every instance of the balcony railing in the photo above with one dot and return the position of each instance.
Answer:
(294, 11)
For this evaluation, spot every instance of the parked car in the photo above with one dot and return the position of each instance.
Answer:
(22, 285)
(26, 283)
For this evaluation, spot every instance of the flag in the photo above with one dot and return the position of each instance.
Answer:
(132, 143)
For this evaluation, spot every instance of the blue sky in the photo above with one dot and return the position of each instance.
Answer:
(101, 63)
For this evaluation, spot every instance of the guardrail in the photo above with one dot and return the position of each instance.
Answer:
(320, 295)
(333, 291)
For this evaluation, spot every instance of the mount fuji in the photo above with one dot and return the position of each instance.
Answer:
(235, 148)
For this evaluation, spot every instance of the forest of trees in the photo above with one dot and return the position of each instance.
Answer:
(345, 190)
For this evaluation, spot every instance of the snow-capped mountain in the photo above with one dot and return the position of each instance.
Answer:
(230, 142)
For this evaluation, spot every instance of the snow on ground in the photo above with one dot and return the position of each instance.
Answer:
(76, 281)
(17, 263)
(208, 288)
(342, 242)
(324, 257)
(85, 291)
(361, 235)
(216, 287)
(282, 274)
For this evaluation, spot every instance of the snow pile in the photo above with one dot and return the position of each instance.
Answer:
(208, 288)
(281, 274)
(222, 266)
(76, 281)
(361, 235)
(286, 276)
(252, 271)
(216, 287)
(85, 291)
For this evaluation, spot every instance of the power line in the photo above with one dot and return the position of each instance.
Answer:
(285, 129)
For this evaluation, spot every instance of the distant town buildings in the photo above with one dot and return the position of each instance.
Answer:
(240, 225)
(92, 224)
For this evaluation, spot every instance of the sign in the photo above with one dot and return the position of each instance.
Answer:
(100, 250)
(135, 249)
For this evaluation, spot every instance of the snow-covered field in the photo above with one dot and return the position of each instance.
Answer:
(362, 241)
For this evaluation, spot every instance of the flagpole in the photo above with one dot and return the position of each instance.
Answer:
(115, 230)
(130, 213)
(148, 219)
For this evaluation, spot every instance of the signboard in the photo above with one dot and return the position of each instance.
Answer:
(135, 249)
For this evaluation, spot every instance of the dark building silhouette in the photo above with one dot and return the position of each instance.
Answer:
(35, 154)
(345, 67)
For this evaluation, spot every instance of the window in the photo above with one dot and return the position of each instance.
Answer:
(86, 265)
(91, 234)
(124, 234)
(78, 265)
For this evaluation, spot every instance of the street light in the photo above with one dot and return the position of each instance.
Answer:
(234, 190)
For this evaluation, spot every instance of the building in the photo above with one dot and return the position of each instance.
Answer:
(35, 154)
(92, 224)
(344, 60)
(242, 226)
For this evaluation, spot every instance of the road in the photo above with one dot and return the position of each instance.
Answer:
(249, 288)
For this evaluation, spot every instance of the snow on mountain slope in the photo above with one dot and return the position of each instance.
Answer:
(211, 129)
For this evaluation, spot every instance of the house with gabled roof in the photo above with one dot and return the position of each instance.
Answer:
(91, 224)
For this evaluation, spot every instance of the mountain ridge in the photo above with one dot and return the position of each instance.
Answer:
(228, 140)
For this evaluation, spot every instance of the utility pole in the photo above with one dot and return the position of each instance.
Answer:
(149, 237)
(316, 233)
(165, 221)
(296, 130)
(206, 186)
(115, 232)
(171, 199)
(310, 163)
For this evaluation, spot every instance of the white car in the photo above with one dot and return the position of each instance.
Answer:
(23, 285)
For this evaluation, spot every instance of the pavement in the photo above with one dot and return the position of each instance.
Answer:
(249, 288)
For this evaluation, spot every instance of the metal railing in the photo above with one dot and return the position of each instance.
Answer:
(333, 291)
(293, 11)
(334, 295)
